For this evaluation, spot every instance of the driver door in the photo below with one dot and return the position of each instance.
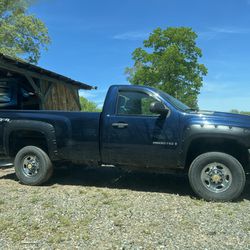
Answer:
(136, 137)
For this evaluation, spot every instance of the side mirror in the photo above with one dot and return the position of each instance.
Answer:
(158, 108)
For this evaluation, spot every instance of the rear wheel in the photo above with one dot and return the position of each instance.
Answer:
(216, 176)
(33, 166)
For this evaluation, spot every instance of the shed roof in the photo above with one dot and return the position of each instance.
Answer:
(20, 66)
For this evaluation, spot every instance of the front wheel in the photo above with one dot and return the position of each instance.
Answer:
(216, 176)
(33, 166)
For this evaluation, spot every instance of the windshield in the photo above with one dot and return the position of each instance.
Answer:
(176, 103)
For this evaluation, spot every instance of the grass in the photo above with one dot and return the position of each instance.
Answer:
(34, 199)
(150, 216)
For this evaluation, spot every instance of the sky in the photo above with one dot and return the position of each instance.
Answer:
(92, 41)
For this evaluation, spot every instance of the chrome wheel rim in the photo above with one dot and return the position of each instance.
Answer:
(216, 177)
(30, 165)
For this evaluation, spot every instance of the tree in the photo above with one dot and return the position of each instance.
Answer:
(21, 34)
(236, 111)
(88, 106)
(169, 61)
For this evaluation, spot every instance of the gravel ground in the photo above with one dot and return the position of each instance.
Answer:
(111, 209)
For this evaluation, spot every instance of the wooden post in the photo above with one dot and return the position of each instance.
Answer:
(37, 90)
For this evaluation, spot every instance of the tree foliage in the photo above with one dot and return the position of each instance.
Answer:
(21, 34)
(236, 111)
(169, 61)
(88, 106)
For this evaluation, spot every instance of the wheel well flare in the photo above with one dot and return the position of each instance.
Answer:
(228, 146)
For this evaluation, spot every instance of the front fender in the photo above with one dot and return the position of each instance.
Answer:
(239, 135)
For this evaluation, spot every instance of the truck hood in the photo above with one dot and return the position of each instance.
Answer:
(223, 118)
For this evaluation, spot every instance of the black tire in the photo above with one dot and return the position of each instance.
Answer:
(217, 176)
(33, 166)
(50, 173)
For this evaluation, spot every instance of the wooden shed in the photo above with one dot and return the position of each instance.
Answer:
(26, 86)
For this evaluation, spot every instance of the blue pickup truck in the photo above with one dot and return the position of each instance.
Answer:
(140, 128)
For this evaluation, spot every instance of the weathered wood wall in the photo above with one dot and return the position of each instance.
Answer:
(60, 96)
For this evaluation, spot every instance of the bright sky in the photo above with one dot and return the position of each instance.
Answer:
(92, 41)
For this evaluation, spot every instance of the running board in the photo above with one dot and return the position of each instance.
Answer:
(6, 163)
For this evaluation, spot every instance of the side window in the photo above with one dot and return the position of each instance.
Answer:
(134, 103)
(5, 92)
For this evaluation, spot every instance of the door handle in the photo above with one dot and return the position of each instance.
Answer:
(119, 125)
